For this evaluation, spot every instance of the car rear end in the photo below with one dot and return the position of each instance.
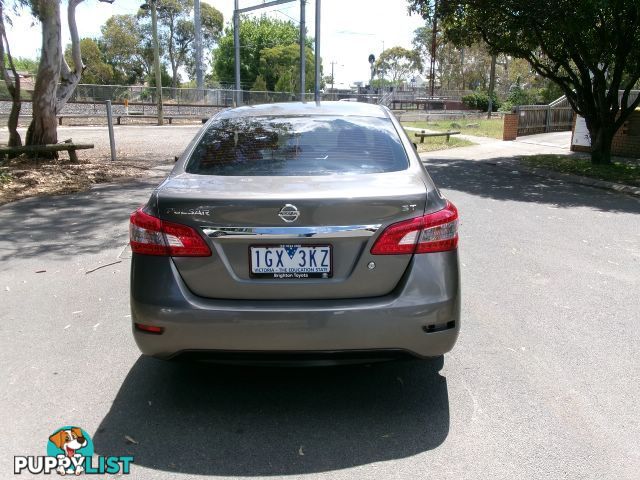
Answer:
(284, 231)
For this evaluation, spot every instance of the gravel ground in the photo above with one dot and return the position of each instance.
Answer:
(139, 150)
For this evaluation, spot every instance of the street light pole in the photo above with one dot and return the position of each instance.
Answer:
(236, 48)
(316, 88)
(303, 56)
(156, 60)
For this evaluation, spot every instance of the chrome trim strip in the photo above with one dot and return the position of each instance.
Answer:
(222, 232)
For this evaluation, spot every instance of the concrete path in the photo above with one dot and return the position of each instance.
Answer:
(548, 143)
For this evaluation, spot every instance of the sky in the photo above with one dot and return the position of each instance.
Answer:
(350, 29)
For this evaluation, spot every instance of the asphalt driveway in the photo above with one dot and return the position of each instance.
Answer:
(543, 383)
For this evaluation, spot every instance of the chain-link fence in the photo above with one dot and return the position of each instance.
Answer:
(189, 97)
(141, 95)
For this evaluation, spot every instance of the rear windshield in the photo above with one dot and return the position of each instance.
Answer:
(298, 146)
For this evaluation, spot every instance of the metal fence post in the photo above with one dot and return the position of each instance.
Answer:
(112, 142)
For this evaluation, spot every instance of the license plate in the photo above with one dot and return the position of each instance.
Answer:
(291, 261)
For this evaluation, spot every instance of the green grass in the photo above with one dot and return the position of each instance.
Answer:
(485, 128)
(432, 144)
(627, 173)
(5, 177)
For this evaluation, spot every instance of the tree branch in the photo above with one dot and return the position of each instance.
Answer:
(69, 79)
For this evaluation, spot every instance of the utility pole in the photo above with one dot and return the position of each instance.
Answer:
(236, 35)
(303, 56)
(316, 87)
(236, 47)
(332, 77)
(156, 60)
(434, 45)
(197, 23)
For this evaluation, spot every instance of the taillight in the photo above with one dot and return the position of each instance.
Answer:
(149, 328)
(149, 235)
(434, 232)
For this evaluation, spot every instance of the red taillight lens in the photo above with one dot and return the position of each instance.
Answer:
(149, 328)
(434, 232)
(149, 235)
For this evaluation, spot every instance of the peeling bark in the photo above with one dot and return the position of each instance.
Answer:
(48, 97)
(69, 79)
(13, 85)
(43, 128)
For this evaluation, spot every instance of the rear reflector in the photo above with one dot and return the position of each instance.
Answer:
(149, 235)
(434, 232)
(149, 328)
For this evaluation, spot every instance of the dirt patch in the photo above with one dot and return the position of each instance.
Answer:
(25, 177)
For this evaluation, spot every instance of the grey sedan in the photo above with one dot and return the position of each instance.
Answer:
(296, 231)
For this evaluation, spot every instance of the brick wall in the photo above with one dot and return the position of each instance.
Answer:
(626, 142)
(510, 128)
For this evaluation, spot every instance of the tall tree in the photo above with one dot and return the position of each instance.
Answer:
(11, 81)
(256, 34)
(127, 46)
(589, 48)
(399, 63)
(280, 68)
(55, 81)
(177, 33)
(97, 71)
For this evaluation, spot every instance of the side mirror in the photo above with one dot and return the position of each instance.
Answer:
(415, 146)
(175, 159)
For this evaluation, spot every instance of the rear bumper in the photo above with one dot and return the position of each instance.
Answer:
(420, 317)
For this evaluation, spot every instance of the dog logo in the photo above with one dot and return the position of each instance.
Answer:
(70, 452)
(72, 443)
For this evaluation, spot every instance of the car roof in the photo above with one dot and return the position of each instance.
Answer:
(359, 109)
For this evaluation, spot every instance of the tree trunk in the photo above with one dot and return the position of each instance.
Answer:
(69, 79)
(174, 79)
(13, 85)
(43, 128)
(601, 140)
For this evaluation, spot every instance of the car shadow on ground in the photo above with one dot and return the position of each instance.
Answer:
(501, 183)
(205, 419)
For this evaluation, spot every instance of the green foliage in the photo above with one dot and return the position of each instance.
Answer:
(24, 64)
(176, 31)
(617, 172)
(381, 82)
(256, 35)
(259, 85)
(465, 67)
(397, 63)
(279, 66)
(127, 47)
(550, 92)
(97, 71)
(589, 48)
(5, 177)
(479, 127)
(165, 77)
(437, 143)
(479, 100)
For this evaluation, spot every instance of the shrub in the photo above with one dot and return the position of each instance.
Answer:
(480, 101)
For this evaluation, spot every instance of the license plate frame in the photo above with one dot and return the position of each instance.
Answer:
(278, 274)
